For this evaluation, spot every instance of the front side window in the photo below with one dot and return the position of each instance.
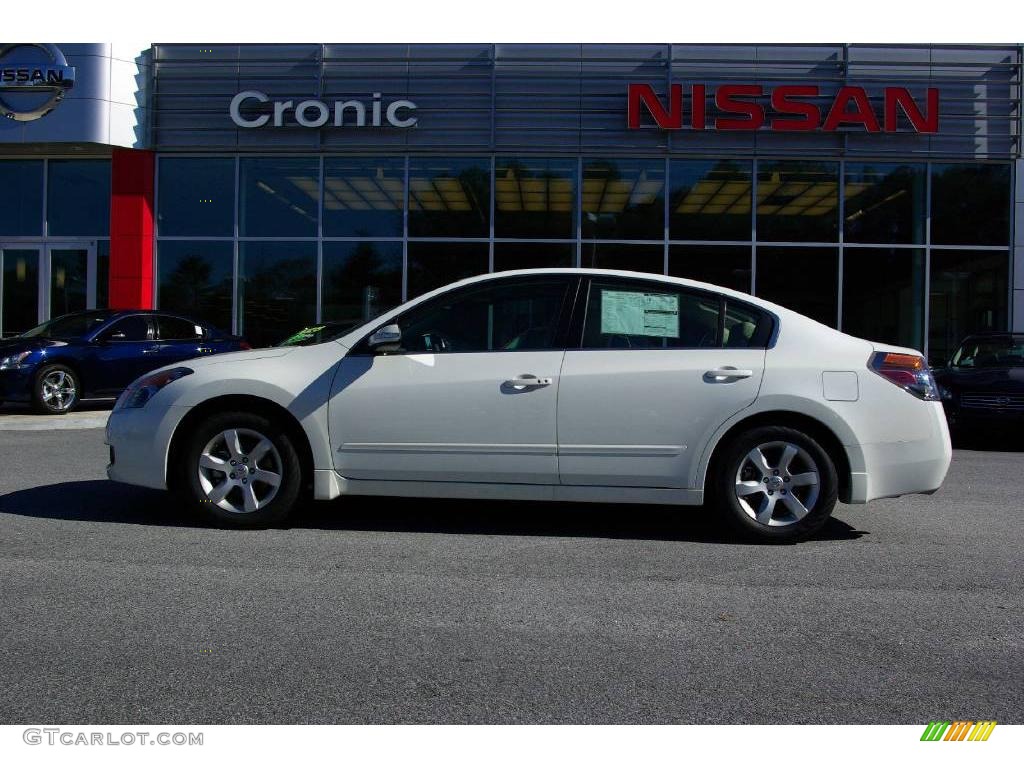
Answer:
(636, 315)
(496, 317)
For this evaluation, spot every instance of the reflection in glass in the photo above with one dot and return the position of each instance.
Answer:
(725, 265)
(78, 197)
(432, 265)
(102, 273)
(971, 204)
(710, 199)
(803, 279)
(20, 290)
(968, 295)
(533, 255)
(21, 197)
(195, 279)
(277, 290)
(361, 280)
(67, 280)
(363, 197)
(797, 201)
(534, 197)
(884, 203)
(449, 198)
(890, 309)
(196, 196)
(624, 199)
(638, 258)
(279, 196)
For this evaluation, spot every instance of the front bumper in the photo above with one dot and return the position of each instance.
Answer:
(16, 384)
(140, 439)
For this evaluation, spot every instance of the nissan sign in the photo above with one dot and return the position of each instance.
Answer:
(30, 87)
(740, 107)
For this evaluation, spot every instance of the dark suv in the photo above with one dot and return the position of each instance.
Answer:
(983, 382)
(96, 354)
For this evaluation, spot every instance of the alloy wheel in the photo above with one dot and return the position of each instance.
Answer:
(58, 390)
(777, 483)
(240, 470)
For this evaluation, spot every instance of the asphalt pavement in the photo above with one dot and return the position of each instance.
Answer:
(116, 608)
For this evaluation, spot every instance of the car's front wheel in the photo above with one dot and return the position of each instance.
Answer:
(775, 484)
(241, 469)
(56, 389)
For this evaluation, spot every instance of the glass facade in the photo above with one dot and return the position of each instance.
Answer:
(54, 239)
(852, 244)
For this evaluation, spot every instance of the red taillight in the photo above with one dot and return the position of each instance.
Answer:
(244, 345)
(909, 372)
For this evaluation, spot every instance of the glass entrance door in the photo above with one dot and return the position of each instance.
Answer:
(72, 279)
(19, 289)
(40, 281)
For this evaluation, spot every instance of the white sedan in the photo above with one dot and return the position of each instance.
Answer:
(551, 384)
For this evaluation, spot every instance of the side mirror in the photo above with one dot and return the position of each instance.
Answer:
(386, 336)
(105, 338)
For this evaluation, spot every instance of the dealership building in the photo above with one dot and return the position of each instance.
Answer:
(878, 189)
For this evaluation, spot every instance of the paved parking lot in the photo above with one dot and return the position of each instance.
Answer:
(115, 609)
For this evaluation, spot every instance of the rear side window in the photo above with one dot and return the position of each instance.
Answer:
(641, 315)
(745, 326)
(178, 329)
(628, 315)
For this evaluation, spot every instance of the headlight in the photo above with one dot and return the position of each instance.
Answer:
(13, 361)
(141, 391)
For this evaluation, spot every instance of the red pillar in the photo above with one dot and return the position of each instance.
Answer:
(131, 229)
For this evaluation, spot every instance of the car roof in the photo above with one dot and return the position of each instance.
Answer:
(776, 309)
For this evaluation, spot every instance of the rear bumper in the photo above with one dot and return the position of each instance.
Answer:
(900, 468)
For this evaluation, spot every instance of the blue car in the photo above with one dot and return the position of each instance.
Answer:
(96, 354)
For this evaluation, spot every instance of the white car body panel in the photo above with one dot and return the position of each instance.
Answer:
(657, 409)
(442, 427)
(432, 416)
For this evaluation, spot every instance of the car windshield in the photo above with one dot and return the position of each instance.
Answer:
(317, 334)
(998, 352)
(68, 326)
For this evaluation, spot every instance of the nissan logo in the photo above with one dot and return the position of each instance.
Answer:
(50, 78)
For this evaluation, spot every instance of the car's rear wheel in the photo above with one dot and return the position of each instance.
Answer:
(56, 389)
(241, 469)
(775, 484)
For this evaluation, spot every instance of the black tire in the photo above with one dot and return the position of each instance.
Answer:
(283, 460)
(56, 389)
(791, 491)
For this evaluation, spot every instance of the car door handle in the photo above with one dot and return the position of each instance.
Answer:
(525, 380)
(150, 350)
(727, 372)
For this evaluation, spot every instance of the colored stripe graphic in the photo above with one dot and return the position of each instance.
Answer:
(959, 730)
(982, 730)
(934, 730)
